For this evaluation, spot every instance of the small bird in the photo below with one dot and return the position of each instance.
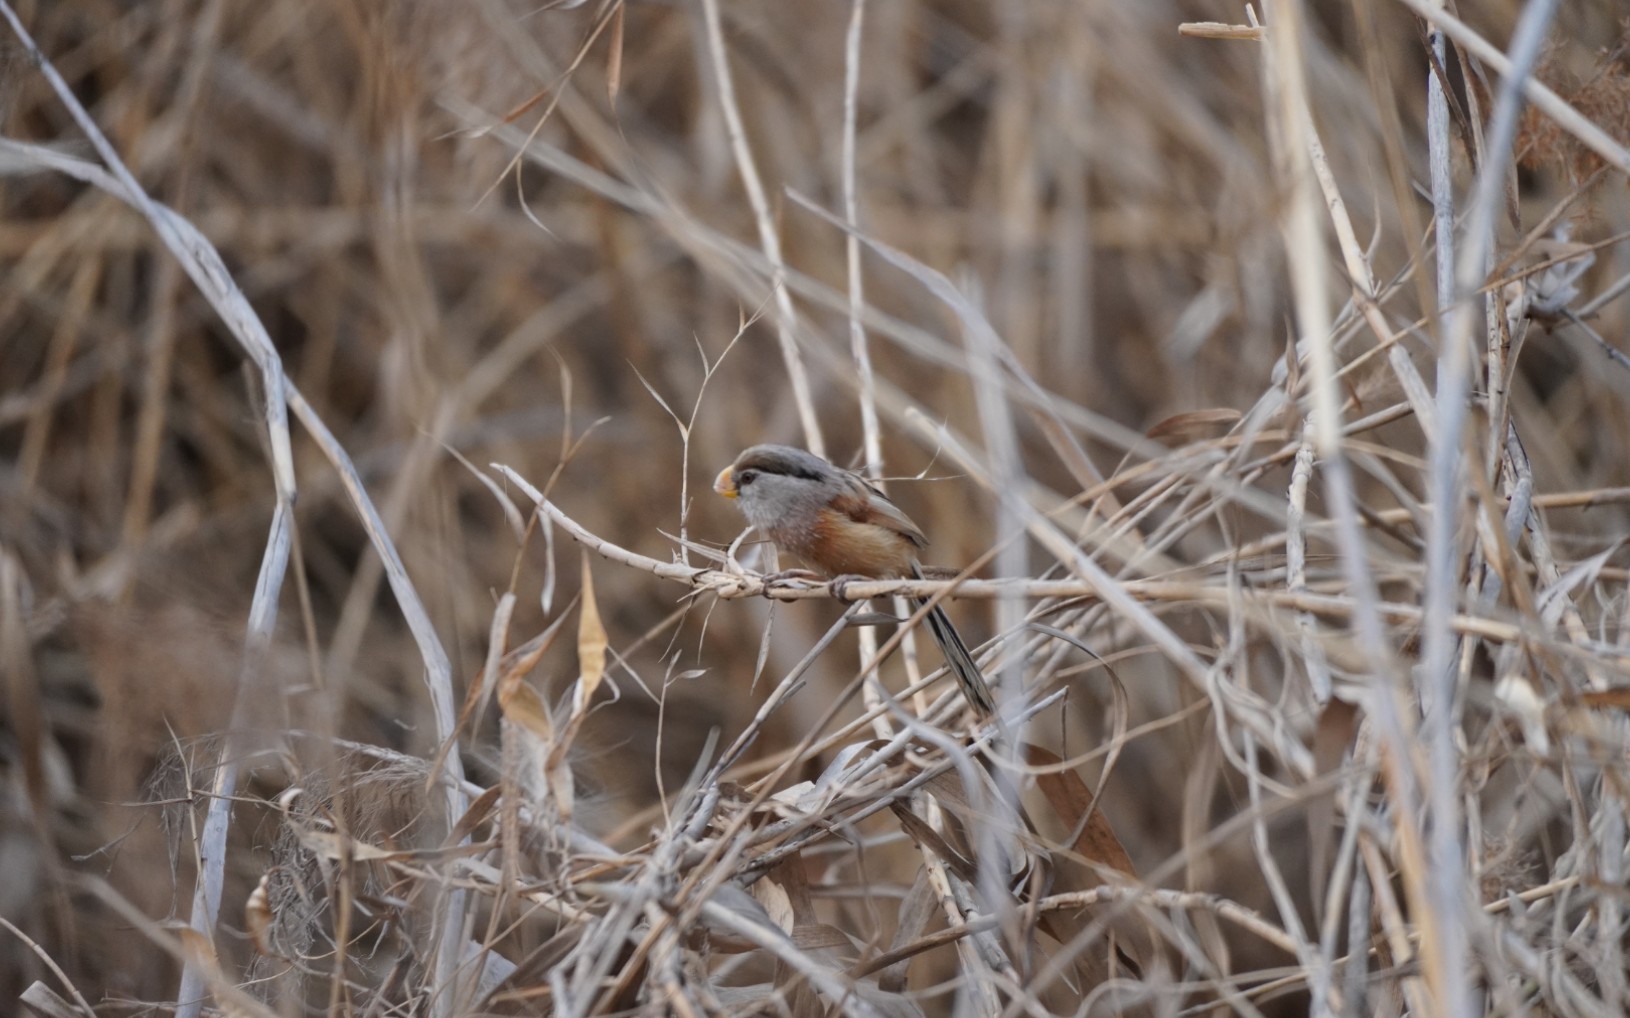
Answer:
(837, 522)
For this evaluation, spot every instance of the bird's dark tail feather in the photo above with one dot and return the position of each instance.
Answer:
(958, 658)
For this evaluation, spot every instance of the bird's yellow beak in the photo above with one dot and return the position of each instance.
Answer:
(725, 484)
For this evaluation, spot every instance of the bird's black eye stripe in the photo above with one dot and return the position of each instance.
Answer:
(790, 470)
(779, 467)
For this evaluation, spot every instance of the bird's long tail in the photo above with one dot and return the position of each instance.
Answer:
(957, 657)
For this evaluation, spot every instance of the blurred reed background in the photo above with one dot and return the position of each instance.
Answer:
(520, 235)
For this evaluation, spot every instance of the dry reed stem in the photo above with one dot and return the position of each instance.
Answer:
(1357, 724)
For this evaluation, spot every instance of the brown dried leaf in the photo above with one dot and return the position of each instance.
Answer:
(1095, 839)
(564, 789)
(479, 810)
(777, 902)
(524, 707)
(1129, 947)
(925, 836)
(1195, 422)
(520, 702)
(821, 937)
(1338, 724)
(920, 905)
(591, 644)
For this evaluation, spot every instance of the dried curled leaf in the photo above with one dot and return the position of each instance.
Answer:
(257, 918)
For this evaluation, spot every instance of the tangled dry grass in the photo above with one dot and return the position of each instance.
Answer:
(372, 644)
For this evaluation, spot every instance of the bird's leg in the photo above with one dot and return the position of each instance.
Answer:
(791, 578)
(839, 585)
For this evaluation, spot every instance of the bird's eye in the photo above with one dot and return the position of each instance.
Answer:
(745, 478)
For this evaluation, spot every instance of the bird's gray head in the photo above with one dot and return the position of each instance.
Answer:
(777, 486)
